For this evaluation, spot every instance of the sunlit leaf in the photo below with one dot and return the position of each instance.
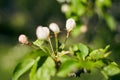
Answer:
(83, 50)
(46, 70)
(36, 53)
(111, 69)
(38, 42)
(91, 64)
(22, 67)
(97, 54)
(67, 67)
(34, 70)
(106, 48)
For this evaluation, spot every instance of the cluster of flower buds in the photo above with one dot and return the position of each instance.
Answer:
(43, 33)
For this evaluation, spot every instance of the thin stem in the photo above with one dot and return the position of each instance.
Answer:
(68, 33)
(33, 46)
(51, 47)
(56, 41)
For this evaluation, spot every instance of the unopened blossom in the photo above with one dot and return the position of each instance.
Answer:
(65, 8)
(54, 27)
(42, 32)
(23, 39)
(70, 24)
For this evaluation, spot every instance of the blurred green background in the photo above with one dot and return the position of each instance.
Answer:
(23, 16)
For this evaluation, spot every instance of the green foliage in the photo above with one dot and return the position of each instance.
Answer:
(111, 69)
(80, 61)
(22, 67)
(46, 70)
(67, 67)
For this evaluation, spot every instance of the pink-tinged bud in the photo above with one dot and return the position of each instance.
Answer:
(23, 39)
(42, 32)
(70, 24)
(54, 27)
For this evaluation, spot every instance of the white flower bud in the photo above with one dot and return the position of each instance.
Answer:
(42, 32)
(70, 24)
(23, 39)
(54, 27)
(65, 8)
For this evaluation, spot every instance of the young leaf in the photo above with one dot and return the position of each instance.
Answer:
(36, 53)
(34, 69)
(46, 70)
(97, 54)
(83, 50)
(111, 69)
(38, 42)
(22, 67)
(67, 67)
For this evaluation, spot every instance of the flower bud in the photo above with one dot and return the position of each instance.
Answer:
(65, 8)
(70, 24)
(54, 27)
(42, 32)
(23, 39)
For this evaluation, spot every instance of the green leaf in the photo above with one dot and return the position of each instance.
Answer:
(67, 67)
(34, 69)
(111, 69)
(106, 48)
(22, 67)
(83, 50)
(36, 53)
(91, 64)
(95, 74)
(97, 54)
(110, 22)
(46, 70)
(38, 42)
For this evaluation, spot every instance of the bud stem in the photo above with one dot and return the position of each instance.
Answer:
(53, 53)
(67, 36)
(33, 46)
(56, 41)
(68, 33)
